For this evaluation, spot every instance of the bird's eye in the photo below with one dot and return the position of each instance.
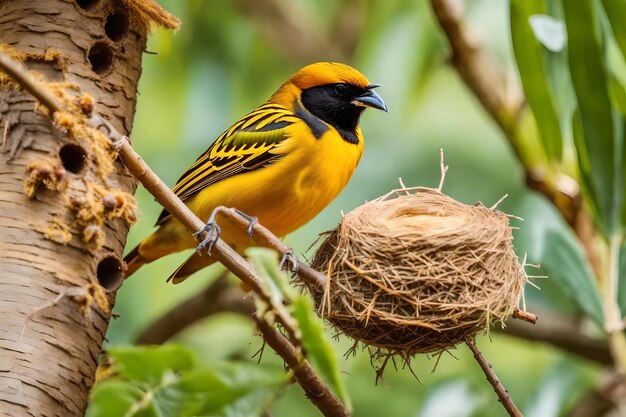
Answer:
(341, 89)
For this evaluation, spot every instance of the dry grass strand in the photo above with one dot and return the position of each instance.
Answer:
(150, 11)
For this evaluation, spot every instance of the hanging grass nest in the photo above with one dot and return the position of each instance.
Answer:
(416, 271)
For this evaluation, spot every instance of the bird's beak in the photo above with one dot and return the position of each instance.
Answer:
(370, 99)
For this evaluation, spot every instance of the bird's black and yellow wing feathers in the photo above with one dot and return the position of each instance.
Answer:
(247, 145)
(295, 154)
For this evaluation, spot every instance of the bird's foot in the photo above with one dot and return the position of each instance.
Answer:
(213, 234)
(212, 231)
(252, 221)
(289, 257)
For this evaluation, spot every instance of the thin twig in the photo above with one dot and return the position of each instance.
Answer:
(497, 203)
(444, 170)
(20, 75)
(317, 391)
(525, 316)
(401, 185)
(501, 392)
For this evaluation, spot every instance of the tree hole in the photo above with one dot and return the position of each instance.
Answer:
(116, 26)
(86, 4)
(110, 273)
(73, 157)
(101, 58)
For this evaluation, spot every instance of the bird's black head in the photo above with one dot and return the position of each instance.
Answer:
(341, 105)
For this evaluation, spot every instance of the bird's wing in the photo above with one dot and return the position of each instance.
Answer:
(249, 144)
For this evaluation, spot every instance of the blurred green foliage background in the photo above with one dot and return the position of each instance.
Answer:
(228, 57)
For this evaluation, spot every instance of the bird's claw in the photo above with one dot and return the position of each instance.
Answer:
(290, 257)
(212, 231)
(252, 221)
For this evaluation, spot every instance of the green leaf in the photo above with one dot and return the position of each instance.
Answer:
(548, 30)
(618, 95)
(194, 393)
(560, 385)
(569, 286)
(557, 66)
(253, 404)
(616, 13)
(191, 392)
(265, 263)
(535, 80)
(584, 164)
(256, 386)
(249, 375)
(622, 178)
(320, 350)
(227, 384)
(149, 363)
(615, 59)
(171, 397)
(589, 77)
(565, 263)
(113, 398)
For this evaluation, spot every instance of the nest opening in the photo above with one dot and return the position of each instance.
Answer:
(101, 58)
(87, 4)
(418, 273)
(110, 273)
(73, 157)
(117, 25)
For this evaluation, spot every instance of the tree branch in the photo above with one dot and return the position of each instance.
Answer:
(295, 34)
(562, 334)
(501, 392)
(20, 76)
(316, 390)
(525, 316)
(220, 296)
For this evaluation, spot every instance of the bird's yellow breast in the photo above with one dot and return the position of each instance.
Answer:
(290, 191)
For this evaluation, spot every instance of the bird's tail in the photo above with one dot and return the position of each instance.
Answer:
(134, 261)
(194, 263)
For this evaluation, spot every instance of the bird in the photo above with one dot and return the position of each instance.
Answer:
(282, 163)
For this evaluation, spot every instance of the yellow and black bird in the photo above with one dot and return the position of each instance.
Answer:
(282, 163)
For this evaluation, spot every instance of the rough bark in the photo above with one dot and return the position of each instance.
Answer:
(49, 350)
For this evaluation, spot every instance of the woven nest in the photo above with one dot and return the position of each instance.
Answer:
(418, 273)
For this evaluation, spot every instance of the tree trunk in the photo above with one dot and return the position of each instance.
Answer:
(53, 269)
